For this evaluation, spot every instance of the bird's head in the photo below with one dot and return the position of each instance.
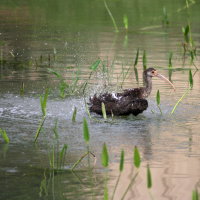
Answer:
(151, 72)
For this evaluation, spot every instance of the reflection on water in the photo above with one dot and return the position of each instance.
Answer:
(68, 36)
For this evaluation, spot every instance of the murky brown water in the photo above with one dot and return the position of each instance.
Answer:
(37, 36)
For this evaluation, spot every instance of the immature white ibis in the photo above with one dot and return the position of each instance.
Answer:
(130, 101)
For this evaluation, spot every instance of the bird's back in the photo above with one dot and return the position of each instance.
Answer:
(124, 103)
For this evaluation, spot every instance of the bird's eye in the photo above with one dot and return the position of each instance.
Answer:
(153, 72)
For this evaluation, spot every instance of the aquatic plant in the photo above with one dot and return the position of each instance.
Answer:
(185, 93)
(39, 128)
(124, 74)
(158, 101)
(188, 44)
(111, 16)
(137, 161)
(105, 163)
(165, 19)
(22, 89)
(57, 156)
(74, 114)
(86, 133)
(121, 167)
(144, 60)
(195, 195)
(186, 31)
(86, 136)
(43, 186)
(62, 154)
(65, 88)
(188, 4)
(94, 66)
(104, 156)
(103, 108)
(4, 136)
(135, 64)
(190, 79)
(125, 20)
(149, 180)
(43, 104)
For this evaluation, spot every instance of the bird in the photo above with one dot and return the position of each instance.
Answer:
(129, 101)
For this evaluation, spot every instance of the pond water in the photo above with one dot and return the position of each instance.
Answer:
(67, 37)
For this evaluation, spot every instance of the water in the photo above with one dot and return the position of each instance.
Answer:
(68, 36)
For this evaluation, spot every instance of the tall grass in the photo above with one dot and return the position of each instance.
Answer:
(121, 167)
(144, 60)
(149, 180)
(158, 101)
(165, 19)
(104, 156)
(105, 163)
(135, 64)
(125, 20)
(103, 108)
(185, 93)
(4, 136)
(111, 16)
(22, 89)
(86, 133)
(137, 161)
(74, 114)
(43, 104)
(86, 136)
(195, 195)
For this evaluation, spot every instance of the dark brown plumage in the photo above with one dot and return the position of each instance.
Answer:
(131, 101)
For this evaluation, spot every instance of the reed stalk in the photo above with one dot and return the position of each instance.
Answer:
(111, 16)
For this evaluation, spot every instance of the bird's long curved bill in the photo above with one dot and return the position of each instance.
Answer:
(166, 80)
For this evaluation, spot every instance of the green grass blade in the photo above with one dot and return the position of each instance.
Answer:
(183, 96)
(104, 156)
(103, 108)
(186, 33)
(195, 195)
(39, 128)
(74, 114)
(62, 155)
(136, 57)
(129, 186)
(86, 133)
(136, 74)
(125, 20)
(55, 129)
(58, 75)
(111, 16)
(158, 97)
(95, 65)
(170, 59)
(190, 79)
(43, 102)
(22, 89)
(144, 60)
(5, 136)
(137, 159)
(106, 195)
(121, 166)
(149, 180)
(165, 16)
(79, 160)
